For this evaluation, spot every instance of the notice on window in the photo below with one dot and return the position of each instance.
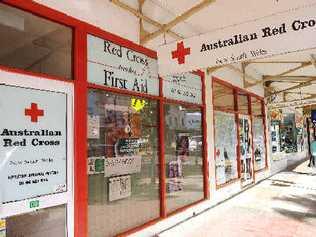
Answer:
(33, 140)
(120, 187)
(118, 67)
(184, 87)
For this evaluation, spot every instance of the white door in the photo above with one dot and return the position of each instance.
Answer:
(36, 156)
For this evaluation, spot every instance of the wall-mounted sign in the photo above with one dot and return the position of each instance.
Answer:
(184, 87)
(120, 187)
(33, 139)
(114, 66)
(115, 166)
(276, 34)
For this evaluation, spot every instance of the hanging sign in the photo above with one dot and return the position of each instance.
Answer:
(33, 154)
(184, 87)
(118, 67)
(281, 33)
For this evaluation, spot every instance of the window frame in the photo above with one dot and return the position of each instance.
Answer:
(236, 91)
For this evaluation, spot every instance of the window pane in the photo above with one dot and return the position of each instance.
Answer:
(223, 97)
(258, 142)
(256, 106)
(48, 222)
(225, 147)
(242, 101)
(183, 155)
(122, 163)
(34, 44)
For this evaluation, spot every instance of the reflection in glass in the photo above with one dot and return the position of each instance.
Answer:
(48, 222)
(225, 147)
(122, 163)
(223, 97)
(34, 44)
(183, 155)
(242, 101)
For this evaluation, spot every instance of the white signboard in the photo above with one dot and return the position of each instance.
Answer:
(120, 187)
(115, 166)
(93, 126)
(276, 34)
(114, 66)
(184, 87)
(33, 154)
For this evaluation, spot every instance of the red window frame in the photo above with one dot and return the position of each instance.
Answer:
(236, 90)
(81, 85)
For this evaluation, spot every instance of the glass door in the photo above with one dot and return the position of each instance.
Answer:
(246, 152)
(36, 155)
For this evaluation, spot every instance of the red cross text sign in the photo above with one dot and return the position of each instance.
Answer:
(33, 143)
(285, 32)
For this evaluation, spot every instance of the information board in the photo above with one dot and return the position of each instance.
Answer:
(33, 143)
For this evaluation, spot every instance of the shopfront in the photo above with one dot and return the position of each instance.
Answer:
(93, 142)
(239, 134)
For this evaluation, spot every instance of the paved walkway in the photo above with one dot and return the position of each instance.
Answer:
(281, 206)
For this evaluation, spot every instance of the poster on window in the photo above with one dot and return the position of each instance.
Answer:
(96, 165)
(121, 165)
(259, 143)
(93, 126)
(33, 143)
(225, 147)
(120, 187)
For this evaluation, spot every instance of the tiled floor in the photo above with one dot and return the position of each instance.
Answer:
(281, 206)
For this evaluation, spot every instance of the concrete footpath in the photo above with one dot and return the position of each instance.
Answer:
(281, 206)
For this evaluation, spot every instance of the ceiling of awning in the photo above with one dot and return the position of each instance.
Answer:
(163, 21)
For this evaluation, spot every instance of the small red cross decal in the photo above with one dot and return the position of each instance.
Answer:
(34, 112)
(180, 53)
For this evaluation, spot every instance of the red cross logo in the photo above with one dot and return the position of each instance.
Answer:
(34, 112)
(180, 53)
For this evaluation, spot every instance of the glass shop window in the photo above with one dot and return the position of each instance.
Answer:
(256, 107)
(34, 44)
(242, 101)
(225, 147)
(223, 97)
(183, 156)
(48, 222)
(123, 164)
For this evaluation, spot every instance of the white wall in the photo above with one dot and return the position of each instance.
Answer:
(100, 13)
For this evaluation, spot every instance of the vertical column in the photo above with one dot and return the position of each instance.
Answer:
(80, 121)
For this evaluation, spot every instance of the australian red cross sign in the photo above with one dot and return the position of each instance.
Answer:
(285, 32)
(33, 139)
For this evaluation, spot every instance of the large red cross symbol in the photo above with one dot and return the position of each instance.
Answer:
(180, 53)
(34, 112)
